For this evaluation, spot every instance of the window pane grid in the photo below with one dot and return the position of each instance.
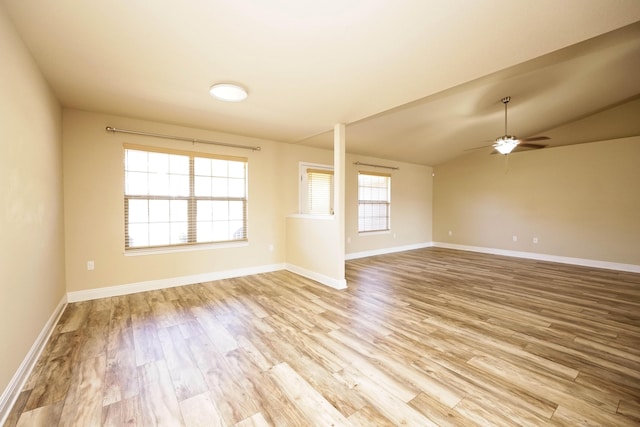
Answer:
(177, 199)
(374, 202)
(156, 222)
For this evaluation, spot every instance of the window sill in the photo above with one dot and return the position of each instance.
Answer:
(309, 216)
(372, 233)
(186, 248)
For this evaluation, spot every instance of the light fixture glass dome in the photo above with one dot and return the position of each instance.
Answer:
(228, 92)
(506, 144)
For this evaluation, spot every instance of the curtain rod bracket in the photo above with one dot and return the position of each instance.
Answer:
(182, 138)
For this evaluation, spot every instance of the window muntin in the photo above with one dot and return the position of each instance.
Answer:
(176, 197)
(374, 201)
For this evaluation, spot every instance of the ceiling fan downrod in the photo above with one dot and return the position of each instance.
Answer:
(505, 101)
(506, 143)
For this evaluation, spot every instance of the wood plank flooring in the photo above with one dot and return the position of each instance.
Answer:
(431, 337)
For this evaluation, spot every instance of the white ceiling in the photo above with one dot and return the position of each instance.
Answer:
(417, 81)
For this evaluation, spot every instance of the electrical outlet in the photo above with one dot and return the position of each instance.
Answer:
(271, 248)
(515, 238)
(535, 240)
(91, 265)
(450, 233)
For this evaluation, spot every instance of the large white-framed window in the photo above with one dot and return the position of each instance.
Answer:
(316, 189)
(175, 197)
(374, 201)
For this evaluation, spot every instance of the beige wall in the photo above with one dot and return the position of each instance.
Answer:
(94, 223)
(411, 206)
(31, 211)
(317, 245)
(311, 245)
(290, 157)
(93, 195)
(301, 231)
(581, 201)
(411, 202)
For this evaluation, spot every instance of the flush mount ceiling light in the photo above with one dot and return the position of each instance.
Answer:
(229, 92)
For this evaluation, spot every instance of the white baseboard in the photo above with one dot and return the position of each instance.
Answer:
(321, 278)
(13, 389)
(383, 251)
(171, 282)
(632, 268)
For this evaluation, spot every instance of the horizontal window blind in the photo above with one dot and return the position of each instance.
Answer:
(187, 153)
(374, 201)
(319, 192)
(176, 197)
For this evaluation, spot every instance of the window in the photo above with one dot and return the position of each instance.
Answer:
(174, 197)
(316, 189)
(374, 201)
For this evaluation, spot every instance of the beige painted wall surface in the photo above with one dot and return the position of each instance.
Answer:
(31, 211)
(580, 201)
(94, 220)
(411, 205)
(317, 244)
(305, 235)
(411, 200)
(290, 157)
(311, 244)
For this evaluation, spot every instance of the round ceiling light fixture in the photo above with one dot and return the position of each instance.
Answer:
(229, 92)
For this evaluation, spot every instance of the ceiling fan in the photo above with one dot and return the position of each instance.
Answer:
(506, 143)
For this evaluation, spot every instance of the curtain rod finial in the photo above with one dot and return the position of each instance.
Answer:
(110, 129)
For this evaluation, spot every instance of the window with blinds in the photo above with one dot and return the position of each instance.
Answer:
(174, 197)
(316, 189)
(374, 201)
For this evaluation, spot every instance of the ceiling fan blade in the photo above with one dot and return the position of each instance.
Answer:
(527, 147)
(506, 142)
(535, 138)
(478, 148)
(530, 146)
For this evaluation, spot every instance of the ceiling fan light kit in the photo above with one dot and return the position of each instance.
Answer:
(506, 143)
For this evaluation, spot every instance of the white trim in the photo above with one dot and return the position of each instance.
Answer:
(13, 389)
(383, 251)
(321, 278)
(309, 216)
(171, 282)
(632, 268)
(373, 232)
(184, 248)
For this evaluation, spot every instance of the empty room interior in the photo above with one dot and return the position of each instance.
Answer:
(361, 213)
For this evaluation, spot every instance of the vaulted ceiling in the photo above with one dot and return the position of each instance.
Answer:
(416, 81)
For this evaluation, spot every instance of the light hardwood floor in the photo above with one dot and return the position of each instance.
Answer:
(420, 338)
